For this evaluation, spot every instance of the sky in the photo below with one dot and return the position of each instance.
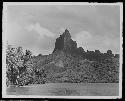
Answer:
(36, 27)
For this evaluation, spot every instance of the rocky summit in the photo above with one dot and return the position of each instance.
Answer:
(65, 43)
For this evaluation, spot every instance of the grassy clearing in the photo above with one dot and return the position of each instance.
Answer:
(67, 89)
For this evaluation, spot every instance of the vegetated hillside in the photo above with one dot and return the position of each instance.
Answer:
(67, 63)
(61, 67)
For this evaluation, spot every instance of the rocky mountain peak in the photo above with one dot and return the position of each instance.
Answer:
(66, 34)
(65, 43)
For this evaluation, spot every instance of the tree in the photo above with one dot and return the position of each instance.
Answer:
(17, 64)
(109, 53)
(11, 64)
(26, 71)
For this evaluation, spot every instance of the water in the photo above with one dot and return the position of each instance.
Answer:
(67, 89)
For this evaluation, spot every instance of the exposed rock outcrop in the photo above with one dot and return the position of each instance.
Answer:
(65, 43)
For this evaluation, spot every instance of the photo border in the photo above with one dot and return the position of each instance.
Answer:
(4, 20)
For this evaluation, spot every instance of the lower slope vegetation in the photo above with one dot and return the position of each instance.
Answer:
(60, 68)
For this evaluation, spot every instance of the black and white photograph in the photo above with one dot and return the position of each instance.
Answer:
(62, 50)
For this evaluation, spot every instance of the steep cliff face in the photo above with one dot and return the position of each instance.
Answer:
(65, 43)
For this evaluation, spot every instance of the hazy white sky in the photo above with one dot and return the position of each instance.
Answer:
(36, 27)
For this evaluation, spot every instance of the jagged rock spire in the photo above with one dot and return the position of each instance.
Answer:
(67, 34)
(65, 43)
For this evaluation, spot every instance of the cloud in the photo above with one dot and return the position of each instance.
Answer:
(62, 29)
(45, 42)
(89, 41)
(83, 38)
(112, 43)
(60, 7)
(40, 30)
(93, 27)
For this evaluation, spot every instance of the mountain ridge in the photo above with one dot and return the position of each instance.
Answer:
(67, 45)
(67, 63)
